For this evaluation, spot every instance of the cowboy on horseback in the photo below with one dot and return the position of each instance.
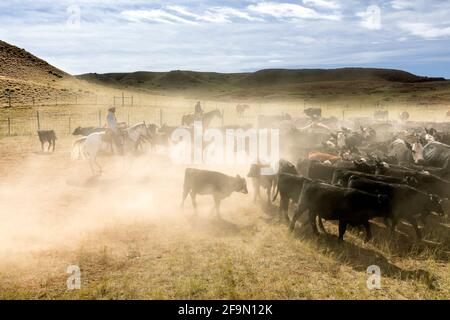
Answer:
(114, 130)
(198, 114)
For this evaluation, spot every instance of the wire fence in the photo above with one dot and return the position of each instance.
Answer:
(64, 118)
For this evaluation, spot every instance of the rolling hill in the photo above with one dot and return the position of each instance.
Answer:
(276, 84)
(25, 78)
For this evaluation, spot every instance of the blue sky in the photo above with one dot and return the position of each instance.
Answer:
(83, 36)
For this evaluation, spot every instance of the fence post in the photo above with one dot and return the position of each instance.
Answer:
(132, 100)
(38, 120)
(99, 118)
(33, 102)
(123, 99)
(9, 126)
(56, 100)
(9, 99)
(160, 117)
(223, 114)
(70, 129)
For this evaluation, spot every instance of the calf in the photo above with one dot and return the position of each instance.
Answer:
(47, 136)
(259, 180)
(405, 202)
(212, 183)
(348, 206)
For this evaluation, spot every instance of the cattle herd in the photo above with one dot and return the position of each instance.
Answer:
(350, 171)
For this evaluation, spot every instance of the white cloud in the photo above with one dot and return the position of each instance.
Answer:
(402, 4)
(289, 10)
(425, 30)
(227, 36)
(156, 15)
(182, 14)
(231, 12)
(322, 4)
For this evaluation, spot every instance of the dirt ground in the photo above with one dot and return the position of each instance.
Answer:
(131, 240)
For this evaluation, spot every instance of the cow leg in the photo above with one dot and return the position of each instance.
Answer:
(284, 208)
(387, 223)
(217, 206)
(185, 194)
(368, 231)
(312, 221)
(321, 226)
(194, 202)
(342, 229)
(42, 146)
(256, 196)
(54, 145)
(393, 226)
(296, 216)
(413, 222)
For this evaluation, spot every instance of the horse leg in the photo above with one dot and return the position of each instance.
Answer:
(91, 164)
(98, 165)
(269, 195)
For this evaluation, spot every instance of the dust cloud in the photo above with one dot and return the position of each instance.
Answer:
(52, 201)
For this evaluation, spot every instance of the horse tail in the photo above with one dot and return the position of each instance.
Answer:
(76, 148)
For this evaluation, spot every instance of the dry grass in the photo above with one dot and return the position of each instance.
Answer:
(131, 240)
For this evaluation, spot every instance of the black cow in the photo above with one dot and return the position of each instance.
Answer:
(341, 177)
(393, 170)
(289, 186)
(86, 131)
(259, 179)
(437, 154)
(430, 183)
(348, 206)
(324, 172)
(212, 183)
(405, 202)
(48, 136)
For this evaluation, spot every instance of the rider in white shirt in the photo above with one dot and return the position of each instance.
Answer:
(111, 123)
